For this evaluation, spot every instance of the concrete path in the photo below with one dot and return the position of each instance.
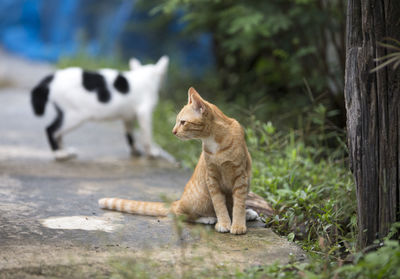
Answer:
(50, 222)
(19, 72)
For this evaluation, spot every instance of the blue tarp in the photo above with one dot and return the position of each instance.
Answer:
(50, 29)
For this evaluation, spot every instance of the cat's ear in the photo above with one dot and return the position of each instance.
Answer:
(162, 63)
(196, 101)
(192, 92)
(134, 64)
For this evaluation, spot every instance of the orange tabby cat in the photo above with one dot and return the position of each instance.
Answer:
(219, 185)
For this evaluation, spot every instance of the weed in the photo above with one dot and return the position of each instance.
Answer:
(313, 195)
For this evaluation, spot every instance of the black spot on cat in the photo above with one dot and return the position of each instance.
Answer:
(95, 82)
(39, 95)
(121, 84)
(53, 127)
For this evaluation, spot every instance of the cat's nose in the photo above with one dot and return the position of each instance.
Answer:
(174, 131)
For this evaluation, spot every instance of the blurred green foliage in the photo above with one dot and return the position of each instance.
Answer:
(269, 49)
(91, 63)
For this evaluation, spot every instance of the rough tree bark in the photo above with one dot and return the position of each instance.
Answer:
(373, 115)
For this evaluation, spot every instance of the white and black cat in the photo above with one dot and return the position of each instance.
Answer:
(106, 94)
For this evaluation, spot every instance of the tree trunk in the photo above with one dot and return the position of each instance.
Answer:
(373, 116)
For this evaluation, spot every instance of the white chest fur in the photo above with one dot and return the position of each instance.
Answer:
(210, 145)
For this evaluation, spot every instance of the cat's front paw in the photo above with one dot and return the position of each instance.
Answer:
(238, 229)
(222, 227)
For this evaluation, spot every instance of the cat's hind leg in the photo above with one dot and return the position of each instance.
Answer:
(206, 220)
(68, 122)
(130, 138)
(55, 142)
(251, 215)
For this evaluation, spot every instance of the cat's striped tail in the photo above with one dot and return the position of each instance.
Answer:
(135, 207)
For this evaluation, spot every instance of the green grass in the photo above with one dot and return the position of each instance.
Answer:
(313, 194)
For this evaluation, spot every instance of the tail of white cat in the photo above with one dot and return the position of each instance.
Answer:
(135, 207)
(40, 94)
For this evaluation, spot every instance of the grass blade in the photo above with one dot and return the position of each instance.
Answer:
(377, 68)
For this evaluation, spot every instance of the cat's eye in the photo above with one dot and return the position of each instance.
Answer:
(183, 122)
